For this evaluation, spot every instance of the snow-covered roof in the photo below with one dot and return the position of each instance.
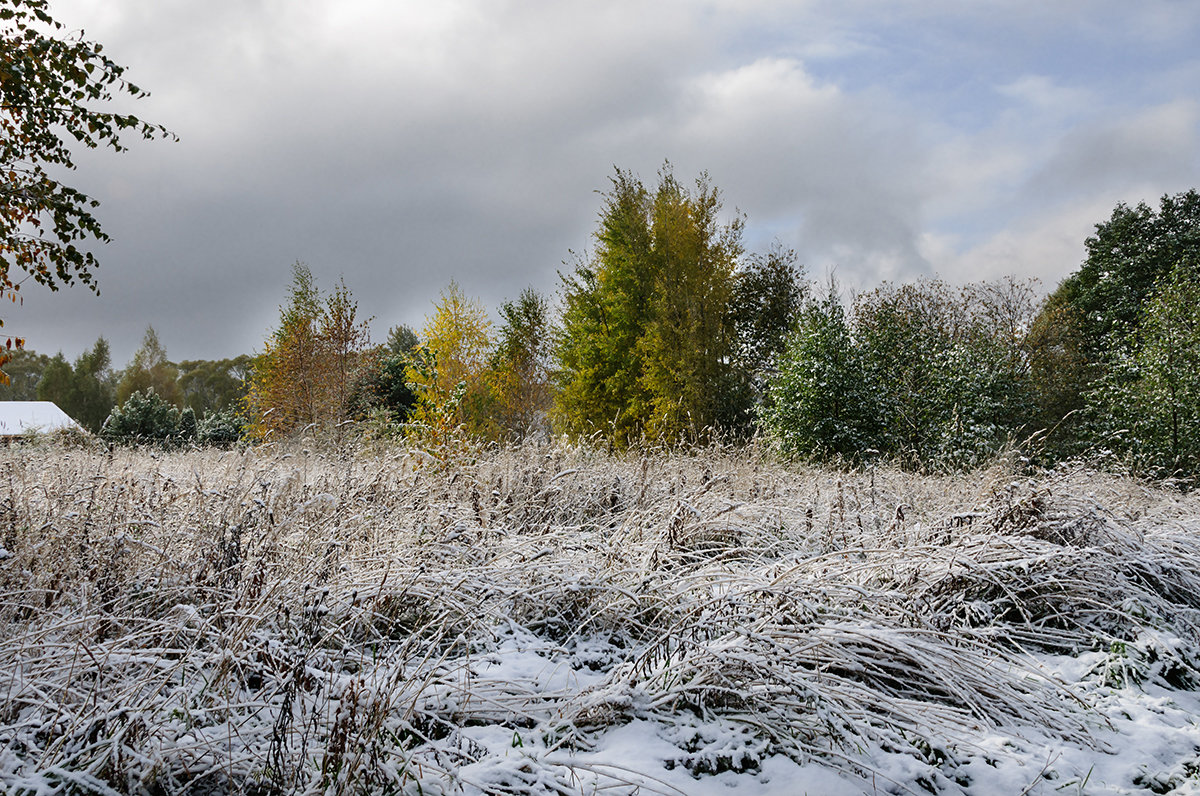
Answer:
(22, 417)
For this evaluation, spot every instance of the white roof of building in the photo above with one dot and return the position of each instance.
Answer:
(22, 417)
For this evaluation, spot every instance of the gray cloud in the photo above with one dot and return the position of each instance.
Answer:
(403, 144)
(1159, 145)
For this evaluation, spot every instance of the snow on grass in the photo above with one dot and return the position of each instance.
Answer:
(550, 619)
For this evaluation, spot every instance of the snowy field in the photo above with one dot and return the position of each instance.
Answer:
(556, 620)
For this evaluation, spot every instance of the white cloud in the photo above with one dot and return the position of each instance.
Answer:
(1047, 247)
(843, 172)
(1042, 94)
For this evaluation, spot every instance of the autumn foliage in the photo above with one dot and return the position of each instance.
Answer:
(305, 373)
(50, 84)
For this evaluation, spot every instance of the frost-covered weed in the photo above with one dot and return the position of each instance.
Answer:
(284, 620)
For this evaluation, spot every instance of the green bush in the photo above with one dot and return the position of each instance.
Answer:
(145, 417)
(219, 428)
(821, 403)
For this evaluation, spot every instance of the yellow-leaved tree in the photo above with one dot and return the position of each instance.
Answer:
(450, 370)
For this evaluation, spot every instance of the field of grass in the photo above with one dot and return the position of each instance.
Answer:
(551, 619)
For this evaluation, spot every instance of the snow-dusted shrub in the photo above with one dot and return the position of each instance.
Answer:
(145, 417)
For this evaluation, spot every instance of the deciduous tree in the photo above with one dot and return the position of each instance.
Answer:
(606, 308)
(24, 369)
(688, 344)
(768, 296)
(305, 374)
(450, 367)
(1127, 258)
(213, 385)
(952, 366)
(1147, 405)
(1091, 322)
(52, 89)
(646, 342)
(520, 364)
(85, 391)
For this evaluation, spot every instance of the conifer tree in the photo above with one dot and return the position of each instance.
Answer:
(150, 370)
(824, 404)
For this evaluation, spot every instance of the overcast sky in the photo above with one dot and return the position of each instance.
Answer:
(401, 144)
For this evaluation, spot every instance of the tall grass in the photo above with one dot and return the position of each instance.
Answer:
(286, 619)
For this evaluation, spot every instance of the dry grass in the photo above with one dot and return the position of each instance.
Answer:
(286, 620)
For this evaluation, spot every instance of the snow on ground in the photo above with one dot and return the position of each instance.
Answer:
(1145, 739)
(555, 620)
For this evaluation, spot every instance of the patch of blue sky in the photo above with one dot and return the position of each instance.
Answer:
(961, 68)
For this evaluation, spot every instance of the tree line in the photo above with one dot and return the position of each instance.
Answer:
(668, 332)
(191, 399)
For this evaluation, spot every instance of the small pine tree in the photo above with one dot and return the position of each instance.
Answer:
(822, 403)
(220, 428)
(145, 417)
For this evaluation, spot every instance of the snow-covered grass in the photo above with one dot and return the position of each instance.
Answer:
(551, 619)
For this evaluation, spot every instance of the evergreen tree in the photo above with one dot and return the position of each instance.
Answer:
(382, 384)
(147, 418)
(402, 339)
(823, 403)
